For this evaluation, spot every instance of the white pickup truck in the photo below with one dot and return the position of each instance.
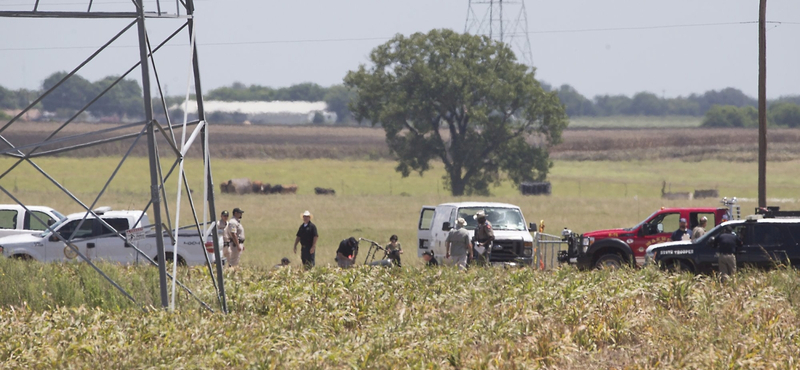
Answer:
(513, 244)
(14, 219)
(97, 242)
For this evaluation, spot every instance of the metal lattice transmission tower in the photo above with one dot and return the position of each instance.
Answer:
(166, 164)
(502, 20)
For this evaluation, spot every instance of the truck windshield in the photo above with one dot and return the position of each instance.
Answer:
(500, 218)
(54, 226)
(641, 223)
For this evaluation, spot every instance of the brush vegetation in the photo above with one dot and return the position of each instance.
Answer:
(406, 318)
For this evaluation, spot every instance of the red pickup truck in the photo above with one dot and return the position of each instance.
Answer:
(614, 247)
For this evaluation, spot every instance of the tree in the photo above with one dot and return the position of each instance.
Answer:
(72, 95)
(124, 99)
(461, 99)
(731, 116)
(338, 98)
(647, 104)
(785, 114)
(575, 103)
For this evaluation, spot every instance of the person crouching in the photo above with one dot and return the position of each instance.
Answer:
(347, 252)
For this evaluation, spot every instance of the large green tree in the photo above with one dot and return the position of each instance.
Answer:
(463, 100)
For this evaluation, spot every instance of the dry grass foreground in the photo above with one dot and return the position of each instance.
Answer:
(406, 318)
(310, 142)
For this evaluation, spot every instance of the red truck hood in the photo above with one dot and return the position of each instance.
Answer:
(616, 233)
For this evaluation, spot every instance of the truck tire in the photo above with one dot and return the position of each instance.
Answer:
(22, 257)
(170, 259)
(609, 261)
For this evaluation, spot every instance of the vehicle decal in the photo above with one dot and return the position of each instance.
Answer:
(660, 239)
(69, 252)
(676, 252)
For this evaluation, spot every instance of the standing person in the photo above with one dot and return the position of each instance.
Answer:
(728, 243)
(347, 252)
(700, 230)
(222, 225)
(484, 236)
(681, 233)
(429, 259)
(394, 250)
(236, 235)
(458, 244)
(307, 237)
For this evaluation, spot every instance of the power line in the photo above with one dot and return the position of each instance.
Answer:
(358, 39)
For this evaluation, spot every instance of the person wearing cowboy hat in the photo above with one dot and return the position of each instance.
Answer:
(236, 234)
(458, 245)
(484, 236)
(307, 237)
(700, 230)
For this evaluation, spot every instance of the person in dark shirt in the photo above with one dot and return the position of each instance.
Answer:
(347, 252)
(430, 260)
(682, 233)
(727, 243)
(307, 237)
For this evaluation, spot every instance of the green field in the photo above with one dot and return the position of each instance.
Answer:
(635, 122)
(374, 202)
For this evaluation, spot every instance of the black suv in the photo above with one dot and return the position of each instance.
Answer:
(769, 238)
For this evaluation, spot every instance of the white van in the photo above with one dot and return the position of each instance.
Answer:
(513, 242)
(97, 242)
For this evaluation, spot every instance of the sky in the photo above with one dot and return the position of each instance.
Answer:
(671, 48)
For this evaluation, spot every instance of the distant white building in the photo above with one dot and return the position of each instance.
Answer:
(260, 112)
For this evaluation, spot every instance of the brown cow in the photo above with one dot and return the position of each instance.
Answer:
(257, 186)
(289, 189)
(226, 187)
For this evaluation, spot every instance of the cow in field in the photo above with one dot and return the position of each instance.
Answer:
(236, 186)
(324, 191)
(289, 189)
(257, 187)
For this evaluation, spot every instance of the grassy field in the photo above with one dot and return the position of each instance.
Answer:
(66, 316)
(635, 122)
(60, 316)
(374, 202)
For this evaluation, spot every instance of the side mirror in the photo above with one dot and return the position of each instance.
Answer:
(53, 238)
(50, 222)
(446, 226)
(711, 240)
(533, 226)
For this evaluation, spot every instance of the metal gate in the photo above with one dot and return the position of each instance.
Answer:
(545, 250)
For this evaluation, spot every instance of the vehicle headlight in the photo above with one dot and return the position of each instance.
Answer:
(527, 252)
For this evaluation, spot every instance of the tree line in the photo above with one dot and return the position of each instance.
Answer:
(728, 107)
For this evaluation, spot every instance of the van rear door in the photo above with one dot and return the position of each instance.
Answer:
(424, 234)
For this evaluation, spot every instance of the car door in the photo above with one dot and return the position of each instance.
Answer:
(57, 250)
(792, 243)
(109, 246)
(424, 234)
(660, 228)
(38, 221)
(706, 256)
(767, 239)
(751, 254)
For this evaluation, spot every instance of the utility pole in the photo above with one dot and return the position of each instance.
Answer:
(762, 104)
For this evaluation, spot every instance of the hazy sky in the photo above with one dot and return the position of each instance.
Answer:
(671, 48)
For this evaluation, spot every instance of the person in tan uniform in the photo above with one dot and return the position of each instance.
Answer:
(222, 233)
(235, 232)
(484, 236)
(700, 230)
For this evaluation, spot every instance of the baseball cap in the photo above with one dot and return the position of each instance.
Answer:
(352, 241)
(429, 253)
(224, 213)
(237, 210)
(683, 220)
